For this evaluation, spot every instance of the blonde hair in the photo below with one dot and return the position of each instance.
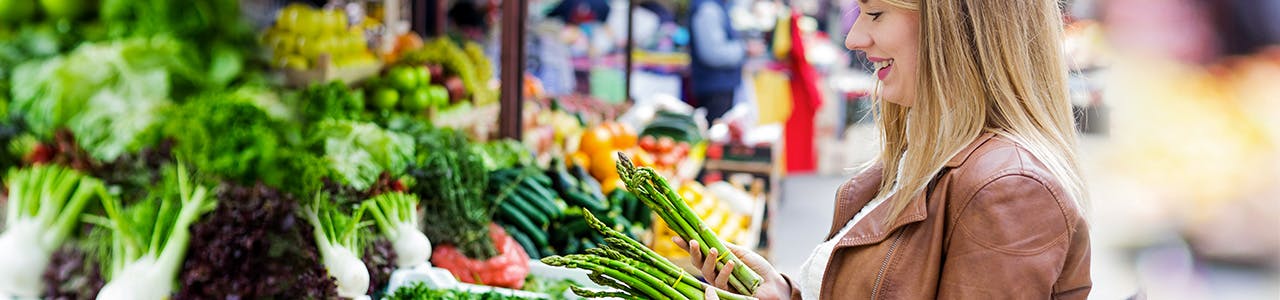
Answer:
(985, 66)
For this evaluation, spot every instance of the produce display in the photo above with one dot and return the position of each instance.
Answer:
(679, 127)
(728, 217)
(301, 35)
(543, 211)
(148, 154)
(597, 152)
(463, 70)
(635, 271)
(654, 190)
(410, 89)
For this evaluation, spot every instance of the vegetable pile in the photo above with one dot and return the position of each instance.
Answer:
(254, 233)
(635, 271)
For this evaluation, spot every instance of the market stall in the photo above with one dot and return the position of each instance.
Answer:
(265, 149)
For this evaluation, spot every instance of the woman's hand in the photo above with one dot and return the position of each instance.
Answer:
(773, 286)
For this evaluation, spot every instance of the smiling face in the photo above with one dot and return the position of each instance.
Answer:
(890, 38)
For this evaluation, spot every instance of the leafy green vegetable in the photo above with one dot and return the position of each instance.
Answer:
(556, 288)
(106, 93)
(220, 37)
(505, 154)
(449, 177)
(420, 291)
(358, 152)
(331, 100)
(224, 134)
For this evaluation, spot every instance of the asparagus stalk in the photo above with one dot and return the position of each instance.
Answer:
(656, 192)
(603, 280)
(585, 293)
(652, 291)
(639, 272)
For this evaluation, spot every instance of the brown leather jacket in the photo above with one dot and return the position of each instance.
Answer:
(994, 225)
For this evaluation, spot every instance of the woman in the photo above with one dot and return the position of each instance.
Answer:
(976, 192)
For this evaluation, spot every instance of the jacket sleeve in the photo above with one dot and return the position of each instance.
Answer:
(1009, 241)
(715, 48)
(795, 287)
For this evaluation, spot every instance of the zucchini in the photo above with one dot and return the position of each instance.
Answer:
(585, 201)
(529, 248)
(522, 205)
(545, 204)
(572, 247)
(541, 178)
(522, 222)
(576, 228)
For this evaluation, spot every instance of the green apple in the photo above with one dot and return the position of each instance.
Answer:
(418, 100)
(386, 98)
(403, 78)
(424, 76)
(439, 95)
(16, 10)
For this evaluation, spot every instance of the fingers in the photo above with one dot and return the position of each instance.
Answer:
(709, 264)
(710, 294)
(695, 253)
(722, 280)
(680, 242)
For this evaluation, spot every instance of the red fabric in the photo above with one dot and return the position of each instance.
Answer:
(801, 155)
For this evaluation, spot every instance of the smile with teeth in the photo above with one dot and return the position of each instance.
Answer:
(883, 64)
(882, 68)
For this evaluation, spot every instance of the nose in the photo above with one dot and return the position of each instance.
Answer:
(858, 39)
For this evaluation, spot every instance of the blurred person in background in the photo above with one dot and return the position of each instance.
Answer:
(976, 192)
(718, 53)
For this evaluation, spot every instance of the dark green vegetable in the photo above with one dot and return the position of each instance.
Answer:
(420, 291)
(331, 100)
(525, 242)
(449, 176)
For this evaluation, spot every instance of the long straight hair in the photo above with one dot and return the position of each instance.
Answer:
(986, 66)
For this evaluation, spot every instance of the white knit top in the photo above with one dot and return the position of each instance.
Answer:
(812, 272)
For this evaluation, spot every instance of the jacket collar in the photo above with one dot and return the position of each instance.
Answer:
(964, 154)
(859, 191)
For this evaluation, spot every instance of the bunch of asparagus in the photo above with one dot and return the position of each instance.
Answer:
(635, 271)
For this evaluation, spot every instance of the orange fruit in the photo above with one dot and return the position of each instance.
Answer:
(595, 140)
(623, 136)
(604, 164)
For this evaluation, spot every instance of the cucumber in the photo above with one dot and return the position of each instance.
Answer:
(522, 205)
(576, 228)
(541, 178)
(523, 223)
(544, 203)
(585, 201)
(529, 248)
(573, 247)
(587, 244)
